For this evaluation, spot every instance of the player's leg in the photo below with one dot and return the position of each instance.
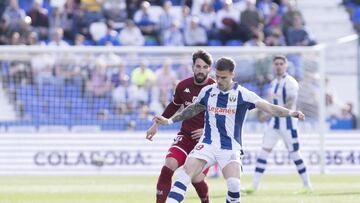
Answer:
(201, 156)
(192, 168)
(292, 143)
(174, 159)
(270, 139)
(201, 186)
(231, 166)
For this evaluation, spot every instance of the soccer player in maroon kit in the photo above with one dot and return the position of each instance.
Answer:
(191, 130)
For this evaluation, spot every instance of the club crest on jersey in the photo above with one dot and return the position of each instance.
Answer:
(232, 98)
(199, 147)
(187, 90)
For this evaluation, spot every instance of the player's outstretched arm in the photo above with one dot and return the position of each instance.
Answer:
(150, 133)
(278, 111)
(189, 112)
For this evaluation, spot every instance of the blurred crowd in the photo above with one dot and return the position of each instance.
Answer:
(153, 22)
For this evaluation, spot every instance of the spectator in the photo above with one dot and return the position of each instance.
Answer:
(42, 67)
(185, 18)
(123, 96)
(273, 20)
(80, 24)
(39, 19)
(143, 78)
(92, 10)
(115, 10)
(348, 114)
(173, 36)
(110, 37)
(227, 20)
(118, 72)
(250, 21)
(147, 21)
(33, 39)
(207, 18)
(131, 35)
(168, 79)
(16, 39)
(79, 40)
(196, 6)
(98, 85)
(256, 39)
(166, 17)
(275, 38)
(60, 19)
(131, 7)
(194, 34)
(297, 35)
(4, 32)
(287, 19)
(14, 17)
(57, 38)
(142, 75)
(264, 7)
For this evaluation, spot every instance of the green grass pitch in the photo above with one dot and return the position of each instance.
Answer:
(139, 189)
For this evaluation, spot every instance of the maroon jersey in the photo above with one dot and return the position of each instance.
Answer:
(185, 94)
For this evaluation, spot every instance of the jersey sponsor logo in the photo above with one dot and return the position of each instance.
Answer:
(199, 147)
(187, 90)
(223, 111)
(213, 95)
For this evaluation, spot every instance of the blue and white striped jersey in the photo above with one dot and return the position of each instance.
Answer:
(281, 90)
(225, 114)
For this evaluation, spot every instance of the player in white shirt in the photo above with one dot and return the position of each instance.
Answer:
(226, 104)
(283, 92)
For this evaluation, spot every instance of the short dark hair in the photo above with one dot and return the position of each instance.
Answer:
(225, 63)
(204, 55)
(281, 57)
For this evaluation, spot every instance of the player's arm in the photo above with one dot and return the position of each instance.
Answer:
(169, 111)
(189, 112)
(276, 110)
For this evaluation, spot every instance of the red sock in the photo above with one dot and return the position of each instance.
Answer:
(164, 184)
(203, 191)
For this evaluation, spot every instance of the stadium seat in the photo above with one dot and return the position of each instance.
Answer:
(234, 43)
(214, 42)
(151, 42)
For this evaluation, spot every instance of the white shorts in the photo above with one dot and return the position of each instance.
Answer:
(289, 137)
(212, 155)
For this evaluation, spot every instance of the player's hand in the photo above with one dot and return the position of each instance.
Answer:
(150, 133)
(196, 134)
(161, 120)
(297, 114)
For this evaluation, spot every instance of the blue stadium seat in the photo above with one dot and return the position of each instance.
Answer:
(234, 43)
(214, 42)
(151, 42)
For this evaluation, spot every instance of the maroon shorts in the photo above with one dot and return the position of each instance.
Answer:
(180, 149)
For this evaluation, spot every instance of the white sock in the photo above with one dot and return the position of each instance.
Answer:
(233, 195)
(260, 167)
(301, 168)
(177, 192)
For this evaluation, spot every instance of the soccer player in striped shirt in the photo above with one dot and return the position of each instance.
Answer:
(283, 92)
(226, 104)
